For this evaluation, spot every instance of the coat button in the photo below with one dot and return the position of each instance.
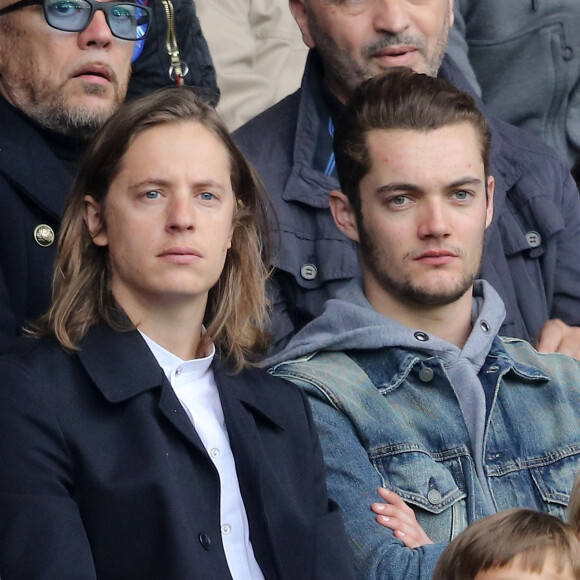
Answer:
(434, 496)
(421, 336)
(44, 235)
(484, 325)
(309, 271)
(204, 540)
(534, 239)
(426, 374)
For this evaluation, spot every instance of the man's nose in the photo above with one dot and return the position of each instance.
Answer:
(97, 33)
(433, 220)
(391, 16)
(180, 214)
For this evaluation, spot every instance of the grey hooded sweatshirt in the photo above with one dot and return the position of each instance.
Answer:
(349, 322)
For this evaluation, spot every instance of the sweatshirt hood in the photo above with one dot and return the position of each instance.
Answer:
(349, 322)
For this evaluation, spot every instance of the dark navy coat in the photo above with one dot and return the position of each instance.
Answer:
(33, 189)
(102, 475)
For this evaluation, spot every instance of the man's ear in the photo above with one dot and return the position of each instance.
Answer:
(343, 214)
(490, 188)
(93, 217)
(299, 10)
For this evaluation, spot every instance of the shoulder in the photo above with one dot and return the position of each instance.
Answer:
(39, 372)
(36, 355)
(331, 376)
(273, 396)
(274, 127)
(554, 366)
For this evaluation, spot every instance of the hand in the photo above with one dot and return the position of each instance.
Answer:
(396, 515)
(557, 336)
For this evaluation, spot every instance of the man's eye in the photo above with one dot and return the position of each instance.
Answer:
(123, 11)
(64, 8)
(152, 195)
(207, 196)
(399, 201)
(461, 195)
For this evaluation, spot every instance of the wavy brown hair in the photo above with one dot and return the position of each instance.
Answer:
(399, 99)
(497, 540)
(236, 310)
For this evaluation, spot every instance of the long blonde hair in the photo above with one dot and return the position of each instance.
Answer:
(236, 310)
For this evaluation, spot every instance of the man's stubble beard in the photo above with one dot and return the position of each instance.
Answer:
(343, 71)
(405, 290)
(50, 109)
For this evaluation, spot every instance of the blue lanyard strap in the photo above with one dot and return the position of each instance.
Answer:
(331, 162)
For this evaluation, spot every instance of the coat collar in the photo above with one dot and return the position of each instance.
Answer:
(122, 366)
(28, 163)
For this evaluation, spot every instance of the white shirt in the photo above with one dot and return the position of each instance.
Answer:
(194, 384)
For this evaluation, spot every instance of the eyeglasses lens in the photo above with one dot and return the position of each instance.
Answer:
(126, 21)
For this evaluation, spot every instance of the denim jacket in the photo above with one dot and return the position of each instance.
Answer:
(390, 417)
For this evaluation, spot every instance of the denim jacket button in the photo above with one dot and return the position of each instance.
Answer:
(434, 496)
(421, 336)
(426, 374)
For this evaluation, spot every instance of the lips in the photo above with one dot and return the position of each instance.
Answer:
(436, 257)
(96, 71)
(180, 255)
(394, 51)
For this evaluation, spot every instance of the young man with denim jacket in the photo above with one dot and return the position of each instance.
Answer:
(532, 248)
(410, 385)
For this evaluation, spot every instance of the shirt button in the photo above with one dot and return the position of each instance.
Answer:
(178, 371)
(215, 452)
(204, 540)
(434, 496)
(309, 271)
(421, 336)
(426, 374)
(568, 53)
(484, 325)
(226, 529)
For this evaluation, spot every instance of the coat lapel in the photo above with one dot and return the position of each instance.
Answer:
(246, 402)
(122, 366)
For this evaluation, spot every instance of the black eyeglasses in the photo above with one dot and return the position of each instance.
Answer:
(126, 20)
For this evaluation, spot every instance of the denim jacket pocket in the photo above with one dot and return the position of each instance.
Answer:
(553, 480)
(428, 482)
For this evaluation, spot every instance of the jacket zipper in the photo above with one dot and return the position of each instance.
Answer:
(177, 70)
(535, 5)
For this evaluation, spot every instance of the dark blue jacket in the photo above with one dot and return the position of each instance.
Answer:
(102, 475)
(33, 189)
(532, 249)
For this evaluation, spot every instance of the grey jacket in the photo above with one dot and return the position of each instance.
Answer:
(532, 249)
(524, 58)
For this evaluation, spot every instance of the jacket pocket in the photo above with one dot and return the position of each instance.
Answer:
(553, 481)
(431, 483)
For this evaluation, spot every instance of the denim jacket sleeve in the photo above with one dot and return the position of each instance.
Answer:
(352, 483)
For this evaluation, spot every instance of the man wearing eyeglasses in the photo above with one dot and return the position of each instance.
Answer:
(64, 69)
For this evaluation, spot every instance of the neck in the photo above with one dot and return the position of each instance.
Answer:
(451, 322)
(175, 327)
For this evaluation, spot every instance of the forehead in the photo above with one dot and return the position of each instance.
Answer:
(515, 571)
(190, 141)
(435, 9)
(439, 154)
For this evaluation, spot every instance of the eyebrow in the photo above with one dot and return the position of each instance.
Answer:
(157, 182)
(412, 187)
